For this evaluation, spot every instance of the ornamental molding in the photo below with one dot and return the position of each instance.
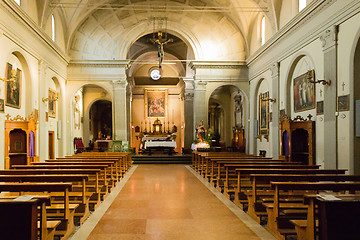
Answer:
(189, 96)
(24, 19)
(275, 69)
(200, 85)
(217, 64)
(100, 63)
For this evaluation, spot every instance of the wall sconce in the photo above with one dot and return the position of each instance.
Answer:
(310, 77)
(48, 99)
(273, 100)
(13, 77)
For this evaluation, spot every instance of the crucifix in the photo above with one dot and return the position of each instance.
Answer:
(160, 41)
(343, 86)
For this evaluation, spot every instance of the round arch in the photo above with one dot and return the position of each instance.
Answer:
(290, 72)
(20, 55)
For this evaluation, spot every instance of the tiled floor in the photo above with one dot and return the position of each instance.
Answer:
(168, 202)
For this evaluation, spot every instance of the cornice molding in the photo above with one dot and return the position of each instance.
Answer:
(337, 18)
(100, 63)
(217, 64)
(24, 19)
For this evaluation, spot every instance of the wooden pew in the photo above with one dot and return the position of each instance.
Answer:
(330, 218)
(255, 209)
(66, 227)
(19, 218)
(94, 179)
(275, 218)
(241, 199)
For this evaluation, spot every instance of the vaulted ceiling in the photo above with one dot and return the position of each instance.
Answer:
(106, 29)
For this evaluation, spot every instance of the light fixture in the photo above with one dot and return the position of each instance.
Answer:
(13, 77)
(269, 100)
(50, 99)
(310, 77)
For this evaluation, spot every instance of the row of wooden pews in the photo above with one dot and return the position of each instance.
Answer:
(277, 193)
(60, 193)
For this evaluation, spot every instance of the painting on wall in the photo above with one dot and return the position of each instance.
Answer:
(304, 92)
(2, 106)
(320, 108)
(52, 103)
(264, 114)
(155, 103)
(343, 103)
(12, 86)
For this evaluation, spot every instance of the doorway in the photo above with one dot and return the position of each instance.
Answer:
(51, 145)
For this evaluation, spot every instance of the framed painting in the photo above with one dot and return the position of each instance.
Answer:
(304, 92)
(52, 103)
(343, 103)
(320, 108)
(12, 86)
(2, 106)
(155, 103)
(264, 114)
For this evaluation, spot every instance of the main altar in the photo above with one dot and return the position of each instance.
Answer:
(158, 139)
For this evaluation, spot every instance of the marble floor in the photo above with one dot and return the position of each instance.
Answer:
(169, 202)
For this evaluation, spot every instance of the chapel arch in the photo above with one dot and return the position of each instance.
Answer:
(228, 113)
(82, 100)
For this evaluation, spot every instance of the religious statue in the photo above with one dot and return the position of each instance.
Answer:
(201, 131)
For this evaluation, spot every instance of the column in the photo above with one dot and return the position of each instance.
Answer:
(120, 109)
(189, 113)
(275, 110)
(329, 43)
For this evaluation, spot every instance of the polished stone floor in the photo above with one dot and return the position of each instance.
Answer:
(168, 202)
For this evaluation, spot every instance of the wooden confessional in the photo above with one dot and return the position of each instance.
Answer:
(298, 139)
(20, 140)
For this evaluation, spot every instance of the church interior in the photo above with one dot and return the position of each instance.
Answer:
(257, 100)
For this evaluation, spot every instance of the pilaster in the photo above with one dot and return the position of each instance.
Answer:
(43, 110)
(189, 113)
(200, 103)
(120, 110)
(329, 44)
(275, 110)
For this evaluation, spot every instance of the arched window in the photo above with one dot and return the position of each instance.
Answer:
(263, 31)
(18, 2)
(53, 28)
(302, 4)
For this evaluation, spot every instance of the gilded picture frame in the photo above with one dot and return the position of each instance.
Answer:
(156, 102)
(2, 105)
(264, 114)
(304, 92)
(13, 86)
(52, 103)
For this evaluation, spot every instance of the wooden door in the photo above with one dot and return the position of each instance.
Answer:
(51, 145)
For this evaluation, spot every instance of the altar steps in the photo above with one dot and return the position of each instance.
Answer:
(161, 159)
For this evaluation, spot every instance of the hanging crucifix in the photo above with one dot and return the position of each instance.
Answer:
(160, 42)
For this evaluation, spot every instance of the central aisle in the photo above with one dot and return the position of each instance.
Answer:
(168, 202)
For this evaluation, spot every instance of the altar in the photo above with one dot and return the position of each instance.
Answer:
(169, 145)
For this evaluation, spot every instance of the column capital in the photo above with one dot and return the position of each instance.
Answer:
(119, 84)
(275, 69)
(200, 85)
(329, 37)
